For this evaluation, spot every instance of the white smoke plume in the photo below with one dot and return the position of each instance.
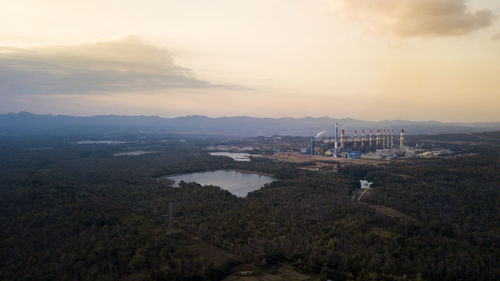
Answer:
(320, 133)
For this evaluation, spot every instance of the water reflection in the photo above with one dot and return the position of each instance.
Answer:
(238, 183)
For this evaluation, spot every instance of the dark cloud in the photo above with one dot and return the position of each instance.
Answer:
(405, 18)
(118, 66)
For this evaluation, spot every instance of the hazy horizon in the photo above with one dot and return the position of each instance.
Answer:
(248, 116)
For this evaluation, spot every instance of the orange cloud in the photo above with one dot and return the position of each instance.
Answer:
(406, 18)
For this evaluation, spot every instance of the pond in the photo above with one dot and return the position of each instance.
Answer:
(238, 183)
(234, 155)
(101, 142)
(134, 153)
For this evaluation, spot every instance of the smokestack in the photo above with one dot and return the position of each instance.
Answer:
(402, 138)
(387, 139)
(384, 138)
(392, 138)
(355, 140)
(370, 139)
(336, 139)
(336, 133)
(378, 138)
(362, 139)
(342, 138)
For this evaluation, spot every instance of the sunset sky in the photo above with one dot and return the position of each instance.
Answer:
(365, 59)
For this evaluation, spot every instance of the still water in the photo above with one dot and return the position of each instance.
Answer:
(238, 183)
(134, 153)
(101, 142)
(243, 157)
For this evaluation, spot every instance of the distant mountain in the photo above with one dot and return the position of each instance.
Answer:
(24, 123)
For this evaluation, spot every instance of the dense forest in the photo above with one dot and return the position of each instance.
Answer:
(76, 212)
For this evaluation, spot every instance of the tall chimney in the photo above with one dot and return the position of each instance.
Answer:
(387, 139)
(370, 139)
(402, 138)
(342, 138)
(392, 138)
(378, 139)
(384, 138)
(362, 139)
(355, 139)
(336, 139)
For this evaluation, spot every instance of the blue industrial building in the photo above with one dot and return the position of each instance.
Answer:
(354, 155)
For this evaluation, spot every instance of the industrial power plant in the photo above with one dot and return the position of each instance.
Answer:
(376, 144)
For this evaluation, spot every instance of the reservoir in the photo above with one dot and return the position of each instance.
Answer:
(238, 183)
(101, 142)
(243, 157)
(134, 153)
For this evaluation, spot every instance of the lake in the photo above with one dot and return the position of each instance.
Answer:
(134, 153)
(234, 155)
(238, 183)
(101, 142)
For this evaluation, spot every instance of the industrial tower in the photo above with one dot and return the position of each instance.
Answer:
(402, 139)
(336, 139)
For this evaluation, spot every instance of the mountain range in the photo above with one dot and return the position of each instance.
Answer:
(25, 123)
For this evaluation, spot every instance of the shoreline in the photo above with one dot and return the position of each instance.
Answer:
(251, 172)
(235, 170)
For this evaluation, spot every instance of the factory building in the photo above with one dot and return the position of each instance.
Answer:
(355, 147)
(354, 155)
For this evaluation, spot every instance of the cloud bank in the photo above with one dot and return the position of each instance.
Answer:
(117, 66)
(407, 18)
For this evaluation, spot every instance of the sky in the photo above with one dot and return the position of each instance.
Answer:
(364, 59)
